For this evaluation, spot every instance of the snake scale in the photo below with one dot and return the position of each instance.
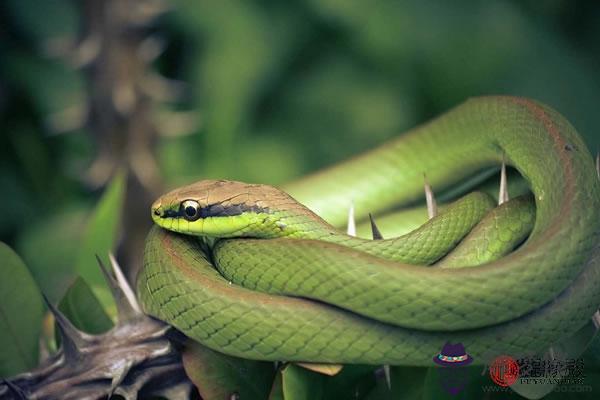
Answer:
(295, 289)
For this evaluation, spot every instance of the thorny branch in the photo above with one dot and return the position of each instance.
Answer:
(138, 358)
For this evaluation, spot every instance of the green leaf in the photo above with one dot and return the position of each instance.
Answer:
(100, 238)
(219, 376)
(300, 384)
(353, 382)
(21, 312)
(277, 388)
(49, 247)
(83, 309)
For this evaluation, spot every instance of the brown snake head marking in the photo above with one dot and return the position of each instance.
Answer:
(219, 208)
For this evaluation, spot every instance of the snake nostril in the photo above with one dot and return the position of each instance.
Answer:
(157, 212)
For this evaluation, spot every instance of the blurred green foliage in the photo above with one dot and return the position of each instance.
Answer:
(21, 310)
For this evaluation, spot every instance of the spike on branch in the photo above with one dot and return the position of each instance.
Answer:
(151, 48)
(119, 376)
(127, 306)
(14, 389)
(430, 199)
(596, 320)
(72, 339)
(124, 285)
(388, 378)
(503, 192)
(351, 229)
(86, 52)
(374, 229)
(551, 353)
(160, 88)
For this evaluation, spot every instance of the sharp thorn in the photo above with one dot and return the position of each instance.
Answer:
(133, 307)
(15, 389)
(598, 164)
(119, 376)
(503, 192)
(124, 309)
(151, 48)
(388, 379)
(596, 320)
(374, 229)
(351, 229)
(551, 353)
(86, 52)
(145, 168)
(124, 98)
(72, 339)
(112, 282)
(430, 199)
(68, 119)
(176, 123)
(160, 88)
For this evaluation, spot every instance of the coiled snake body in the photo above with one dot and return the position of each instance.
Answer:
(290, 287)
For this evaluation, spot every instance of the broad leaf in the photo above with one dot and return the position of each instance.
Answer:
(83, 309)
(352, 382)
(50, 247)
(219, 376)
(277, 388)
(21, 311)
(301, 384)
(101, 237)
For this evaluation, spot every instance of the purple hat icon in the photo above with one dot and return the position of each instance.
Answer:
(453, 355)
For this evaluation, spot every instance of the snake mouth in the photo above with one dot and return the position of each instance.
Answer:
(157, 211)
(162, 216)
(160, 212)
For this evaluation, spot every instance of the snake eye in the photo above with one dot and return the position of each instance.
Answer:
(190, 210)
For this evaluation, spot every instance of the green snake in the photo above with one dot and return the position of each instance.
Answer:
(255, 272)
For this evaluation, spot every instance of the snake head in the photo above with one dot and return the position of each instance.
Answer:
(218, 208)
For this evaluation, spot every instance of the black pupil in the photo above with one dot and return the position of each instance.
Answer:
(190, 211)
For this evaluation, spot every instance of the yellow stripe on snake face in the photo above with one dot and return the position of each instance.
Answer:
(227, 209)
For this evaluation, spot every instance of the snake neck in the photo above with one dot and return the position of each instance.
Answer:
(407, 248)
(422, 246)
